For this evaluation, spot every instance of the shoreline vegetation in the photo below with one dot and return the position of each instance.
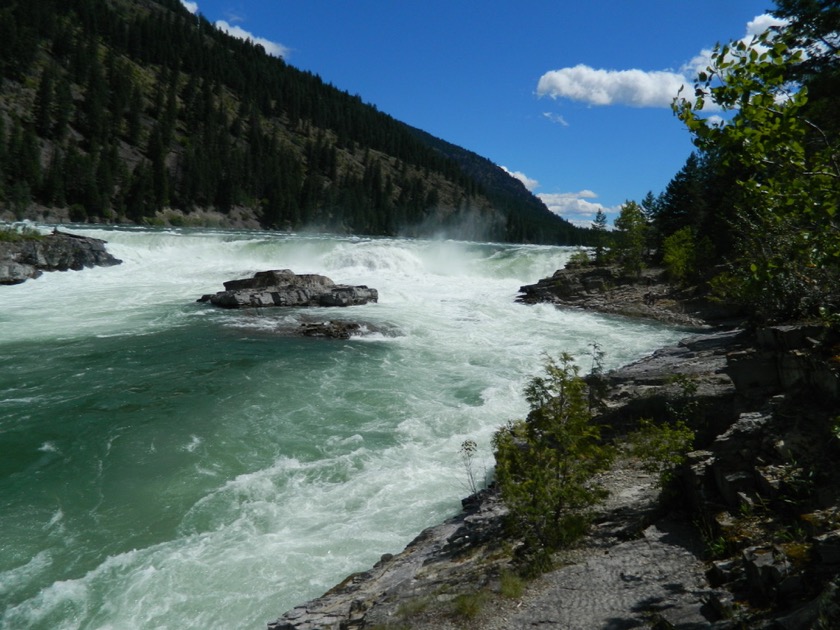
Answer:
(741, 528)
(239, 217)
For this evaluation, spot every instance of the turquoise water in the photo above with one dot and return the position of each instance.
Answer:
(164, 464)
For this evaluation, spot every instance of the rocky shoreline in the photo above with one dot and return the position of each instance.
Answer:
(606, 289)
(752, 539)
(28, 258)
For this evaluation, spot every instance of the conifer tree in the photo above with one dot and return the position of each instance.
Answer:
(545, 464)
(44, 103)
(631, 238)
(599, 226)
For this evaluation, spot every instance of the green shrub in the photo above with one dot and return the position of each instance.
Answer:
(662, 447)
(545, 464)
(12, 233)
(412, 607)
(579, 259)
(469, 605)
(77, 213)
(726, 288)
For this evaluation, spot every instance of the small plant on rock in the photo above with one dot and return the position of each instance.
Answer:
(662, 448)
(469, 605)
(579, 259)
(545, 464)
(15, 233)
(511, 585)
(467, 451)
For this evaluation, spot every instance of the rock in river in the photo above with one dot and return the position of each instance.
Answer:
(286, 288)
(59, 251)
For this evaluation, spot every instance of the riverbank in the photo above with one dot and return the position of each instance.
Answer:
(457, 573)
(239, 217)
(752, 541)
(607, 289)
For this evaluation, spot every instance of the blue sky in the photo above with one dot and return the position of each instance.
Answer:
(572, 97)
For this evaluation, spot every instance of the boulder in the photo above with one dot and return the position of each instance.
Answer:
(331, 329)
(14, 272)
(58, 251)
(285, 288)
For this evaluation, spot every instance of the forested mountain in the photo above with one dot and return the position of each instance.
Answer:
(118, 109)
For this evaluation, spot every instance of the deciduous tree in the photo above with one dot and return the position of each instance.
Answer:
(789, 253)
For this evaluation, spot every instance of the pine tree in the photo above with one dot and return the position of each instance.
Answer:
(63, 108)
(44, 103)
(599, 226)
(631, 236)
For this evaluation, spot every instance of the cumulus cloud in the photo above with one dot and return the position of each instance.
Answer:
(612, 87)
(528, 182)
(761, 23)
(575, 207)
(756, 26)
(272, 48)
(635, 87)
(192, 7)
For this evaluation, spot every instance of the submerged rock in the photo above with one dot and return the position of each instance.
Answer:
(331, 329)
(285, 288)
(59, 251)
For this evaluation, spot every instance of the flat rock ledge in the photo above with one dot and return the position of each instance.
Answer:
(283, 287)
(606, 289)
(59, 251)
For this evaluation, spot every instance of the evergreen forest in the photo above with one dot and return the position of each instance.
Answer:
(119, 109)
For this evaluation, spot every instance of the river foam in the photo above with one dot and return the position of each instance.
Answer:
(209, 472)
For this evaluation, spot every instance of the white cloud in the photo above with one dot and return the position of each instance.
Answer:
(575, 207)
(556, 118)
(272, 48)
(612, 87)
(756, 26)
(634, 87)
(761, 23)
(192, 7)
(528, 182)
(698, 63)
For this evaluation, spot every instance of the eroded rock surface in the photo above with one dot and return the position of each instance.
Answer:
(59, 251)
(609, 290)
(285, 288)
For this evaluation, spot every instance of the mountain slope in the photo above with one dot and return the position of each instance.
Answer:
(118, 109)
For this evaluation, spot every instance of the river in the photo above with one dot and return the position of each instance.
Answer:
(167, 464)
